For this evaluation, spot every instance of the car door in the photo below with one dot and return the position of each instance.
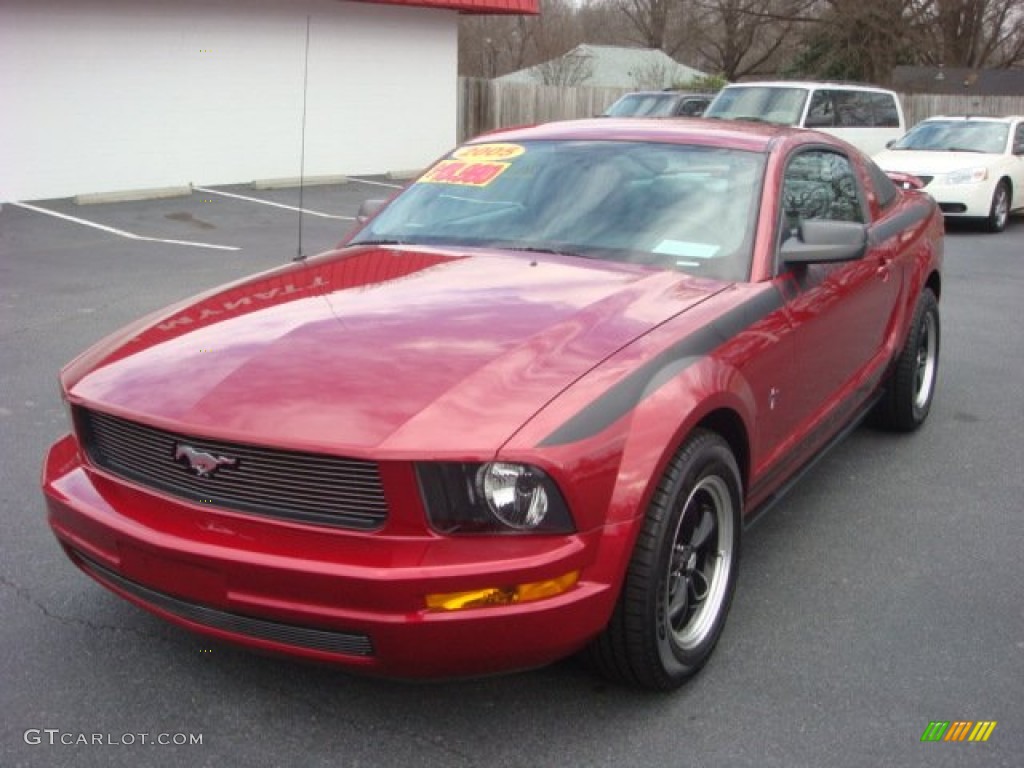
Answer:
(840, 312)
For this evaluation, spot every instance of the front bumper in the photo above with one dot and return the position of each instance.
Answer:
(962, 200)
(348, 598)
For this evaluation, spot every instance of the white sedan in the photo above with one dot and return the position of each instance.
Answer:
(972, 166)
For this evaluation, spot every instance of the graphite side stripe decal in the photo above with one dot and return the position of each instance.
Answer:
(630, 391)
(900, 222)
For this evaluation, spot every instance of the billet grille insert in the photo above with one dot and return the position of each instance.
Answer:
(308, 487)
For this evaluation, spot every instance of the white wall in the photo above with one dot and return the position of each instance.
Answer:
(105, 95)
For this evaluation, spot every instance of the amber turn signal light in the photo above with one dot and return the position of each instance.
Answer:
(522, 593)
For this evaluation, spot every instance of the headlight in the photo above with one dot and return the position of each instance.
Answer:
(967, 176)
(515, 493)
(492, 498)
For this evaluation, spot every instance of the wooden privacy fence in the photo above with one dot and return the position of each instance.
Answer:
(485, 105)
(488, 104)
(918, 106)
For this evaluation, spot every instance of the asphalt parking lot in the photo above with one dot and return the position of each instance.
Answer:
(884, 593)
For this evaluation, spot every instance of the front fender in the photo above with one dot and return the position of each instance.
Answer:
(607, 440)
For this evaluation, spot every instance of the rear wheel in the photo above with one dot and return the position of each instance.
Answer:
(912, 386)
(999, 213)
(682, 575)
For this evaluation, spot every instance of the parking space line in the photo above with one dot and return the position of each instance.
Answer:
(376, 183)
(275, 205)
(121, 232)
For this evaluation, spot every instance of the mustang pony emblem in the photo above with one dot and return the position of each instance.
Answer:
(202, 463)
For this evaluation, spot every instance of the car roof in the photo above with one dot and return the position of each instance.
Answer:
(976, 118)
(668, 92)
(835, 85)
(754, 137)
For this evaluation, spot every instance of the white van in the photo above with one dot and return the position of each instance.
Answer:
(863, 115)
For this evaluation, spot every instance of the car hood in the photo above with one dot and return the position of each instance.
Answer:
(930, 162)
(371, 350)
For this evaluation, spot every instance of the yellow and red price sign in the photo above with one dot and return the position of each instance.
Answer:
(466, 173)
(484, 152)
(475, 166)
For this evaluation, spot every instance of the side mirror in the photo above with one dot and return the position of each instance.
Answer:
(889, 143)
(369, 209)
(826, 242)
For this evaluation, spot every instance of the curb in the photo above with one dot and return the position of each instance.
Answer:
(294, 181)
(130, 195)
(403, 175)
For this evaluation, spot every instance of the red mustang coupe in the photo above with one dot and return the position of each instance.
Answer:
(526, 409)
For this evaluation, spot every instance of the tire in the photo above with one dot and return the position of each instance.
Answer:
(999, 213)
(911, 389)
(682, 574)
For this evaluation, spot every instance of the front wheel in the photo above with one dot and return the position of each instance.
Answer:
(999, 213)
(682, 575)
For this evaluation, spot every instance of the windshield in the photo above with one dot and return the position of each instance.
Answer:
(681, 207)
(956, 136)
(759, 103)
(643, 105)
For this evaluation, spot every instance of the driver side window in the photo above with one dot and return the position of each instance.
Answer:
(819, 184)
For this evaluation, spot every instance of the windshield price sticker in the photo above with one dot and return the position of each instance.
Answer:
(464, 173)
(474, 166)
(489, 152)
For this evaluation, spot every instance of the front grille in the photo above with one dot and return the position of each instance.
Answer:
(350, 643)
(294, 485)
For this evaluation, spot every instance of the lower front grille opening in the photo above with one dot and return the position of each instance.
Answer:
(348, 643)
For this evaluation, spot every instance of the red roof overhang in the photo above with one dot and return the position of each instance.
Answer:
(471, 6)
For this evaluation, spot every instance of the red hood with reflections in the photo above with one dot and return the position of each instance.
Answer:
(381, 351)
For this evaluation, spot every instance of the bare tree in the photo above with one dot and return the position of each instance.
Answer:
(574, 68)
(490, 46)
(865, 39)
(851, 39)
(602, 22)
(651, 76)
(649, 19)
(859, 39)
(745, 37)
(973, 33)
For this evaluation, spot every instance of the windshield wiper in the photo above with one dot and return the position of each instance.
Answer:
(383, 241)
(552, 251)
(965, 149)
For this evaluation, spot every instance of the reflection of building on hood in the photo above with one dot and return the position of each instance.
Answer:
(288, 284)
